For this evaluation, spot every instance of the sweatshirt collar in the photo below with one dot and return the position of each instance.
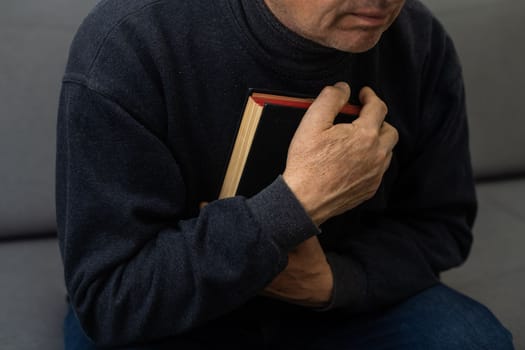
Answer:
(279, 47)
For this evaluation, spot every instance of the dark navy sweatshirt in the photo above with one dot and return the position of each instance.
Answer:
(150, 104)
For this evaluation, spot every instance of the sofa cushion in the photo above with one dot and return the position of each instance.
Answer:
(35, 39)
(32, 294)
(489, 38)
(493, 274)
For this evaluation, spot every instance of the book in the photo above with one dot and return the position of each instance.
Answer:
(267, 126)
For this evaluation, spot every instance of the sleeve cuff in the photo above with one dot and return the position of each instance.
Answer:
(281, 215)
(349, 288)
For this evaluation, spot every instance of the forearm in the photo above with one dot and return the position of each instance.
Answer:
(135, 268)
(307, 279)
(159, 282)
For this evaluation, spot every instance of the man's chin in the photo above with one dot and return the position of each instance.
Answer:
(362, 44)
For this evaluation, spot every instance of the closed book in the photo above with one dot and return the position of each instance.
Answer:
(267, 126)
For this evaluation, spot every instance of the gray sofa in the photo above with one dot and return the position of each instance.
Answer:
(34, 37)
(490, 38)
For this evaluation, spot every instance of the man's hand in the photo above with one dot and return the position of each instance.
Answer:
(333, 168)
(307, 279)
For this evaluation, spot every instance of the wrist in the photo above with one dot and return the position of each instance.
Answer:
(306, 197)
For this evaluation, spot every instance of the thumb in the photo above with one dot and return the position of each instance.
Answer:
(322, 112)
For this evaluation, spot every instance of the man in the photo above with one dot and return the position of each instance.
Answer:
(343, 251)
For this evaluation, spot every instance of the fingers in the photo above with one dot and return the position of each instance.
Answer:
(388, 139)
(322, 112)
(374, 110)
(388, 136)
(373, 115)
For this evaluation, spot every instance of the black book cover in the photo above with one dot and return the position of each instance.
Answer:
(267, 156)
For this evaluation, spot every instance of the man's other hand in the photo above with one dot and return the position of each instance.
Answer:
(334, 168)
(307, 279)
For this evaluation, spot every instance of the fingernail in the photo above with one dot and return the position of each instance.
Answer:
(342, 85)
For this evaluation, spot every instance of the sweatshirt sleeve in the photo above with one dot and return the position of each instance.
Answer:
(426, 226)
(136, 269)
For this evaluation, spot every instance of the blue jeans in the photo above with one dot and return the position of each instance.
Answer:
(438, 318)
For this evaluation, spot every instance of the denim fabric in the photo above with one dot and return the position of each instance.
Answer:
(438, 318)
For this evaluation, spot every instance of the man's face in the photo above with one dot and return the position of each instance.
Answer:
(347, 25)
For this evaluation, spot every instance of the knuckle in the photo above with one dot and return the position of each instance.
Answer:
(382, 155)
(383, 108)
(379, 104)
(396, 133)
(396, 136)
(391, 132)
(387, 125)
(370, 135)
(377, 184)
(376, 179)
(372, 191)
